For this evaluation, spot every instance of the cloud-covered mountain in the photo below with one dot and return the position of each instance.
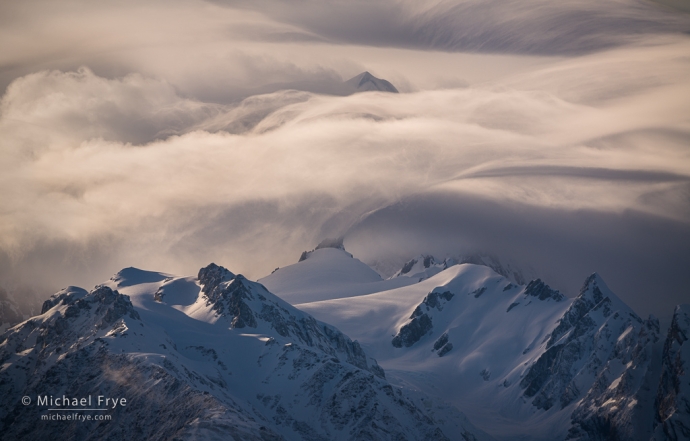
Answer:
(366, 82)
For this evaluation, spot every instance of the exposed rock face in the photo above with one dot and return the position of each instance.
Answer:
(596, 359)
(426, 261)
(672, 419)
(210, 278)
(442, 340)
(412, 332)
(247, 304)
(540, 290)
(67, 296)
(445, 349)
(421, 323)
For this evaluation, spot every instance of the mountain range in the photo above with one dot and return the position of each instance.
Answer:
(460, 348)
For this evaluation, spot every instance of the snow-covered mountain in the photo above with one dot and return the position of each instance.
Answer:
(522, 361)
(327, 273)
(218, 356)
(211, 357)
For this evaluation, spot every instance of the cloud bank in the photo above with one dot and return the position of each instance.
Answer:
(167, 150)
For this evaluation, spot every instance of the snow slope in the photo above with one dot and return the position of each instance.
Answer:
(522, 361)
(327, 273)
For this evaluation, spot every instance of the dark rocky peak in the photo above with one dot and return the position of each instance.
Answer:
(229, 295)
(594, 296)
(542, 291)
(590, 293)
(366, 82)
(594, 290)
(212, 276)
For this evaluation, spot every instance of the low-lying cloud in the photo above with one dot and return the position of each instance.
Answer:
(168, 158)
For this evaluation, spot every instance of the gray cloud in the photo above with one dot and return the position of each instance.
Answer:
(535, 26)
(642, 257)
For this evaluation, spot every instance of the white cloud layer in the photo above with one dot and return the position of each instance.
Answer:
(171, 149)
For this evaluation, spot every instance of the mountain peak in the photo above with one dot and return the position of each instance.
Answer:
(366, 82)
(134, 276)
(329, 242)
(595, 290)
(213, 275)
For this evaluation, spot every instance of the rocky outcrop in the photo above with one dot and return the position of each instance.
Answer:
(542, 291)
(421, 323)
(672, 404)
(442, 345)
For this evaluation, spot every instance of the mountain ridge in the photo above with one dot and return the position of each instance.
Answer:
(296, 378)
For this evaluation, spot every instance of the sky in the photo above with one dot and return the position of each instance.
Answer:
(167, 135)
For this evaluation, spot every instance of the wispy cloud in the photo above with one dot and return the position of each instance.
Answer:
(181, 142)
(516, 26)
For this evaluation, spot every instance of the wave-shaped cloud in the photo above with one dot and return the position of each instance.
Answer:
(101, 173)
(515, 26)
(206, 131)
